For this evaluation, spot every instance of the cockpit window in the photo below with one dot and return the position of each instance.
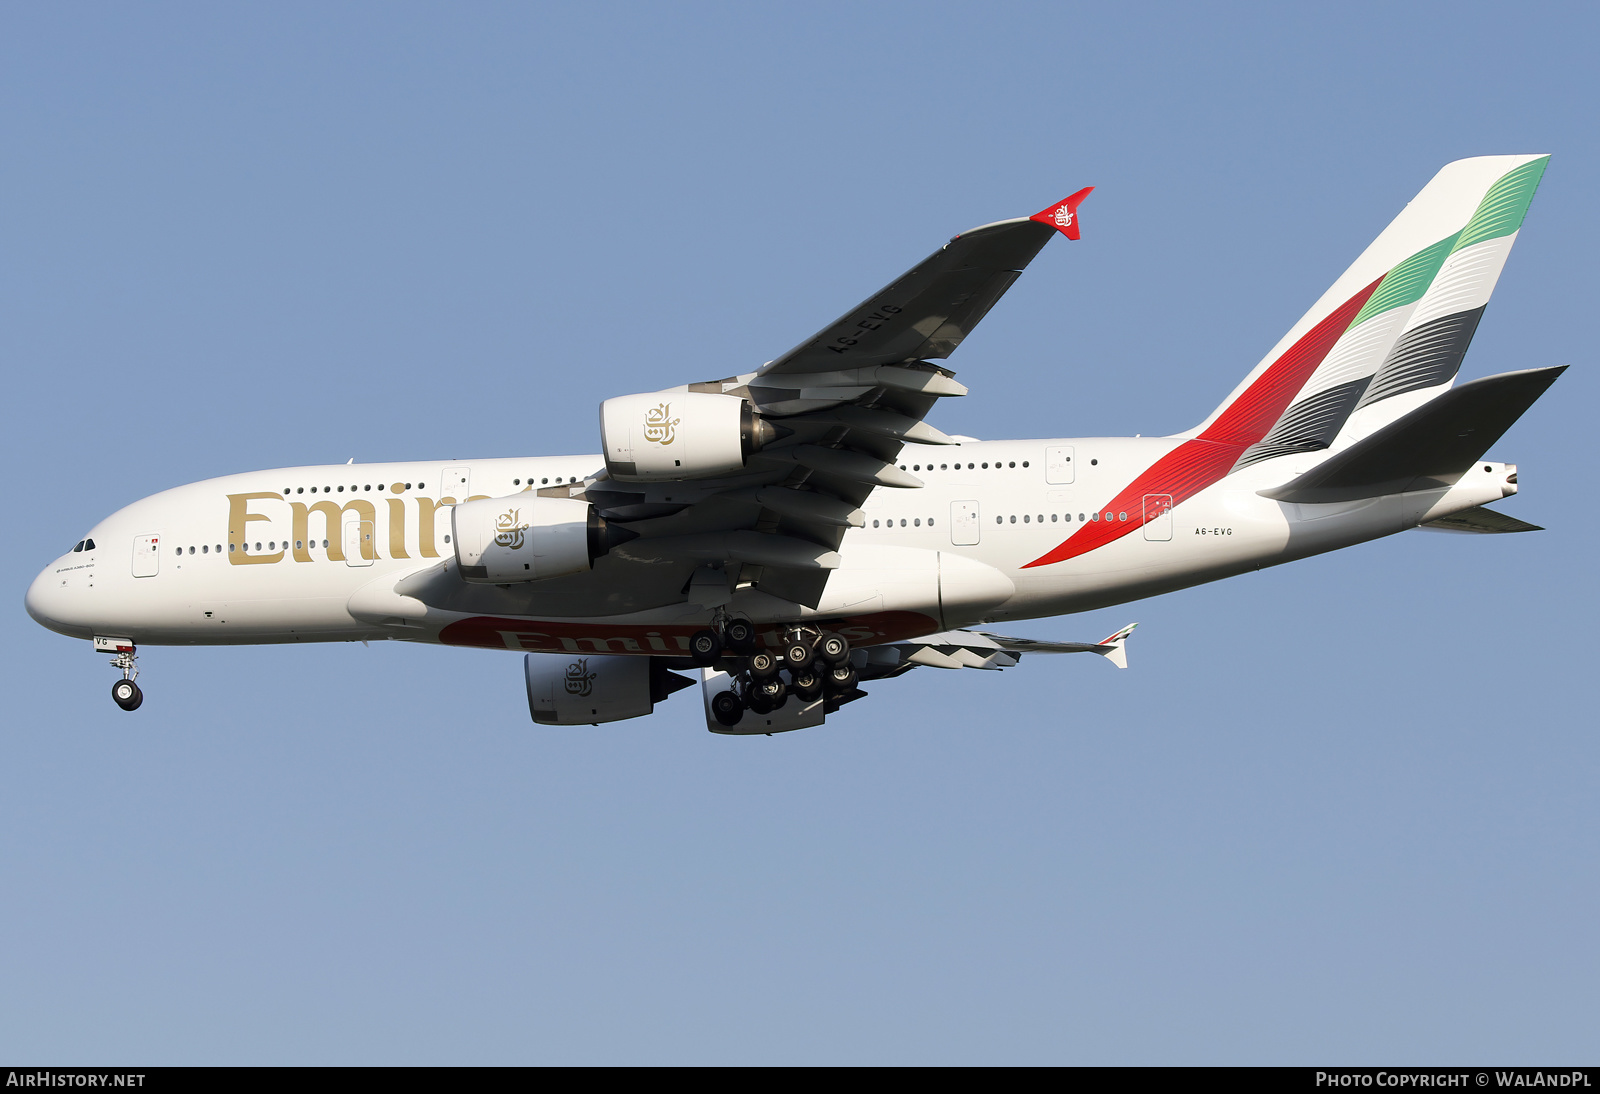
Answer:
(88, 545)
(78, 548)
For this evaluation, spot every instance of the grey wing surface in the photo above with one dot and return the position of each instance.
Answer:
(845, 401)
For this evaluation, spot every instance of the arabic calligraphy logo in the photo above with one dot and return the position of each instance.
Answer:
(508, 529)
(659, 425)
(1064, 217)
(580, 681)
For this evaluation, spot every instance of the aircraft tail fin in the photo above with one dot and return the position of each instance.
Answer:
(1390, 333)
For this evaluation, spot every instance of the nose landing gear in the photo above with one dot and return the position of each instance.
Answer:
(125, 693)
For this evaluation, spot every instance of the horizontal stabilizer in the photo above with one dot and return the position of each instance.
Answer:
(1428, 449)
(982, 650)
(1480, 521)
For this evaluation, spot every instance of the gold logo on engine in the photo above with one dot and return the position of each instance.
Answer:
(580, 681)
(659, 425)
(508, 530)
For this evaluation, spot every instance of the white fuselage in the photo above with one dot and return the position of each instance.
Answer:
(278, 556)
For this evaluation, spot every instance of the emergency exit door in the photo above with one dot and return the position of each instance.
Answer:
(455, 483)
(1158, 517)
(964, 523)
(359, 548)
(1058, 466)
(146, 555)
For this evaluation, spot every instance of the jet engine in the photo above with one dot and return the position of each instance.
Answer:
(679, 435)
(578, 690)
(524, 537)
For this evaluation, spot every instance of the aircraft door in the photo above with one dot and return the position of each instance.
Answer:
(1058, 467)
(146, 555)
(456, 483)
(1158, 517)
(964, 523)
(359, 547)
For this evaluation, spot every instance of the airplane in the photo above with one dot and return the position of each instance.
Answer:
(792, 533)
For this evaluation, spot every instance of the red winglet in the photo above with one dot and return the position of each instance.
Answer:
(1063, 215)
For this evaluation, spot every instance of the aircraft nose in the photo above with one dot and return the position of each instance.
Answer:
(50, 602)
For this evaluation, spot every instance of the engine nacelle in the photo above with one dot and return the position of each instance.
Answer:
(679, 435)
(525, 537)
(578, 690)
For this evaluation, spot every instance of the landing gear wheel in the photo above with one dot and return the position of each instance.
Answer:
(739, 635)
(840, 679)
(769, 693)
(833, 648)
(727, 708)
(126, 694)
(705, 647)
(798, 654)
(763, 663)
(806, 684)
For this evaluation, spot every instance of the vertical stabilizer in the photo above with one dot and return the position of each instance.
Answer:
(1391, 332)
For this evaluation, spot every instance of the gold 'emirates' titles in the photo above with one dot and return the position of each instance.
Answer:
(362, 513)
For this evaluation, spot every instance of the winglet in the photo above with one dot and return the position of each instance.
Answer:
(1063, 215)
(1114, 649)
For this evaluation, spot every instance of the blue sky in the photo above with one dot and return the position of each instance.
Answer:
(1340, 811)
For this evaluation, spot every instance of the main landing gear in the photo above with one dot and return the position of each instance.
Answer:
(125, 693)
(808, 665)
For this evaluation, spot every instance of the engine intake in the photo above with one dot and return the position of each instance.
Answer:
(523, 537)
(679, 435)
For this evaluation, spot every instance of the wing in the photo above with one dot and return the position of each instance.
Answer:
(841, 404)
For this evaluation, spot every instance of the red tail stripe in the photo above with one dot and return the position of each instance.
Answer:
(1195, 465)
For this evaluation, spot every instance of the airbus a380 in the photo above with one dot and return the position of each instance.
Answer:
(796, 531)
